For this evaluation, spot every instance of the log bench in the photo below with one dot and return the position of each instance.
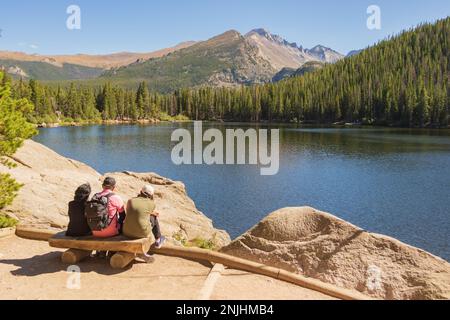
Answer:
(80, 248)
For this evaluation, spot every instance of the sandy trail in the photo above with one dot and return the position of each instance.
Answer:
(32, 270)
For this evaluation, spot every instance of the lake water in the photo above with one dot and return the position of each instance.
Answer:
(390, 181)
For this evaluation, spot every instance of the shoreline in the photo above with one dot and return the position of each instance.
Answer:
(106, 122)
(281, 124)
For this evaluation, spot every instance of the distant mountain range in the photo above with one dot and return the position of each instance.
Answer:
(353, 53)
(73, 67)
(309, 66)
(281, 53)
(228, 59)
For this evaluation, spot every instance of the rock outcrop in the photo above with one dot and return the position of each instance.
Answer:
(319, 245)
(50, 180)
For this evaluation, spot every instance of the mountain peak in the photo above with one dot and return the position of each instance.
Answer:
(320, 47)
(325, 54)
(226, 36)
(354, 52)
(231, 32)
(261, 31)
(270, 36)
(317, 47)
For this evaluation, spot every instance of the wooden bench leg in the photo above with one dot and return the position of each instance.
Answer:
(121, 259)
(73, 256)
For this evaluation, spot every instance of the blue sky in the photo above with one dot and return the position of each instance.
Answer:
(147, 25)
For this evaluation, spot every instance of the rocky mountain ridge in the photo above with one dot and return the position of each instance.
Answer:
(228, 59)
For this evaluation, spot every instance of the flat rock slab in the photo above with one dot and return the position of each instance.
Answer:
(119, 243)
(7, 232)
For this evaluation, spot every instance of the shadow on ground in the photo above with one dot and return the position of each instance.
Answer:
(49, 263)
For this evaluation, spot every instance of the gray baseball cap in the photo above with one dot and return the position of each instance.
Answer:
(109, 182)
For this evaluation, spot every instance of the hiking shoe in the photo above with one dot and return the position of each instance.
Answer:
(146, 257)
(111, 253)
(101, 254)
(159, 243)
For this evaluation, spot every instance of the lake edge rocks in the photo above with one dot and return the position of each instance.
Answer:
(319, 245)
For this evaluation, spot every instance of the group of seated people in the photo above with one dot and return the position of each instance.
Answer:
(105, 215)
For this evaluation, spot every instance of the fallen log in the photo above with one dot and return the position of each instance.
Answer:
(121, 259)
(73, 256)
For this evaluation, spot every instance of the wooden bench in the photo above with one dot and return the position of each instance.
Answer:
(80, 248)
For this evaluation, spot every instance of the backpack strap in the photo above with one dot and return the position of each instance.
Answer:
(110, 219)
(107, 196)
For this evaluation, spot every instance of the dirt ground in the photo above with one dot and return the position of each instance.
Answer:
(32, 270)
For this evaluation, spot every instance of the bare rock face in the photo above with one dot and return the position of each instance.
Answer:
(319, 245)
(50, 181)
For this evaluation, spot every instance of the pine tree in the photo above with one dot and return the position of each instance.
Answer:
(143, 101)
(421, 113)
(14, 129)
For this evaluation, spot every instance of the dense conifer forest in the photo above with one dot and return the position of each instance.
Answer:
(401, 81)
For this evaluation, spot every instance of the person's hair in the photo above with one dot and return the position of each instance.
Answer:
(83, 192)
(109, 183)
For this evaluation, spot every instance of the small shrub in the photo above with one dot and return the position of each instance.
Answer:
(7, 222)
(197, 242)
(202, 244)
(8, 189)
(163, 116)
(178, 236)
(181, 117)
(67, 120)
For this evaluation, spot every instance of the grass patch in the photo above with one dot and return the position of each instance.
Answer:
(194, 243)
(178, 236)
(201, 243)
(165, 117)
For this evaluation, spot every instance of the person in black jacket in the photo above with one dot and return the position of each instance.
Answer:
(78, 226)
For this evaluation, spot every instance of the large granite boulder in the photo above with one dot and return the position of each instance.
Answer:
(319, 245)
(50, 181)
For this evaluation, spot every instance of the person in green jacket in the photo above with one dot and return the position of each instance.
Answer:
(142, 219)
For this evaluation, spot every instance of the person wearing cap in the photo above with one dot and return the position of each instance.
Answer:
(116, 210)
(141, 218)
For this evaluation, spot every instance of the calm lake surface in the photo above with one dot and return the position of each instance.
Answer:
(390, 181)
